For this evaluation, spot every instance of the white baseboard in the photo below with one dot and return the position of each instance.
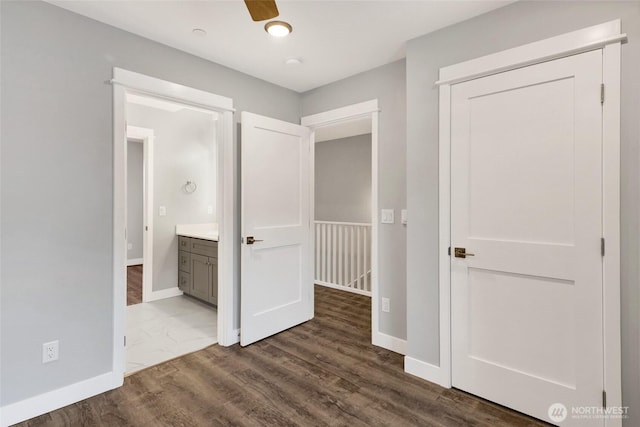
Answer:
(134, 261)
(426, 371)
(164, 293)
(390, 343)
(344, 288)
(55, 399)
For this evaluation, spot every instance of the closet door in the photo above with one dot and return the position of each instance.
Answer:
(526, 229)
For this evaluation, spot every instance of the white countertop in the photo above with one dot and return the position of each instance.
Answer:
(207, 231)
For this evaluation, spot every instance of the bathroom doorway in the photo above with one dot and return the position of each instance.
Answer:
(171, 182)
(126, 83)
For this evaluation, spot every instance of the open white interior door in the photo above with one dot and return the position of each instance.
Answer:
(276, 290)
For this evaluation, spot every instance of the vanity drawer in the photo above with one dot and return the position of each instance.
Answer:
(184, 243)
(204, 247)
(184, 281)
(184, 261)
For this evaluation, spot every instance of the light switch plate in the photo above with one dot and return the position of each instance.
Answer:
(387, 216)
(162, 211)
(403, 216)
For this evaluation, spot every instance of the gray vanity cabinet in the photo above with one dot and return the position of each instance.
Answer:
(200, 276)
(198, 268)
(184, 270)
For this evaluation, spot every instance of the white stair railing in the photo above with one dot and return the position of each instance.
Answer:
(343, 256)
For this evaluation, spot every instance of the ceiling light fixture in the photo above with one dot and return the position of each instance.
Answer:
(278, 28)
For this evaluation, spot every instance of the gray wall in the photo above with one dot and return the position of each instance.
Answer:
(387, 84)
(184, 149)
(57, 119)
(53, 68)
(511, 26)
(135, 202)
(343, 179)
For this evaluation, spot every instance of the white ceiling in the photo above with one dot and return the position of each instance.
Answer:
(334, 39)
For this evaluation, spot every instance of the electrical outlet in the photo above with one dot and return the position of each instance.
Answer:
(209, 209)
(129, 246)
(162, 211)
(385, 305)
(50, 351)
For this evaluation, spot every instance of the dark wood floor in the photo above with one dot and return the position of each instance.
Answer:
(322, 373)
(134, 284)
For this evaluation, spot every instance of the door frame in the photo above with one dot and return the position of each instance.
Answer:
(146, 136)
(608, 38)
(344, 114)
(125, 81)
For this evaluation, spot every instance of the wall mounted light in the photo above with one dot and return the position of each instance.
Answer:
(278, 28)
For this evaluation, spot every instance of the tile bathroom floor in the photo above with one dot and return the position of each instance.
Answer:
(162, 330)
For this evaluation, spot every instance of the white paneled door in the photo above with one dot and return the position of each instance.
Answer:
(276, 255)
(526, 206)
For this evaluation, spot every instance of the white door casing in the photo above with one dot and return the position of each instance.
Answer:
(124, 82)
(526, 199)
(276, 271)
(609, 38)
(354, 112)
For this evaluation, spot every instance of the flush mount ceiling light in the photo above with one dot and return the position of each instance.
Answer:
(293, 61)
(199, 32)
(278, 28)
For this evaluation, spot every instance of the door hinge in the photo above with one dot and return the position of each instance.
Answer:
(125, 340)
(449, 251)
(604, 399)
(602, 93)
(602, 246)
